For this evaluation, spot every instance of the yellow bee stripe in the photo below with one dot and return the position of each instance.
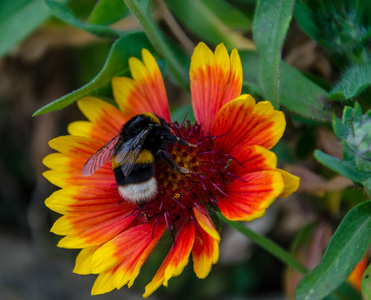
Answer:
(152, 117)
(145, 157)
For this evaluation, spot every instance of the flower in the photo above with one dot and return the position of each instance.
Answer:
(231, 168)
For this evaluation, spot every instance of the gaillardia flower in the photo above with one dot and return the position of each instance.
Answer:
(231, 168)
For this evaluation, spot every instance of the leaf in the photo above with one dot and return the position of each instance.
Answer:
(355, 79)
(345, 168)
(204, 19)
(115, 65)
(178, 114)
(307, 20)
(302, 96)
(107, 12)
(298, 94)
(62, 12)
(18, 19)
(347, 247)
(271, 22)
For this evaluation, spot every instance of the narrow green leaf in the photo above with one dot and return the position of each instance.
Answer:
(307, 20)
(211, 21)
(115, 65)
(18, 19)
(271, 22)
(355, 79)
(107, 12)
(346, 249)
(299, 94)
(344, 168)
(62, 12)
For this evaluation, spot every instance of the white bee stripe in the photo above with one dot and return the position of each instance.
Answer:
(140, 191)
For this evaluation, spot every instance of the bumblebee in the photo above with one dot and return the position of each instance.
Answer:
(133, 151)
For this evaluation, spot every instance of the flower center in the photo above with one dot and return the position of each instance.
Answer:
(179, 192)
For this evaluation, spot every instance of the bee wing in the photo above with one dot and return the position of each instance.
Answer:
(128, 153)
(99, 158)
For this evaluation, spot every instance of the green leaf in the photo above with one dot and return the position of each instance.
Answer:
(347, 247)
(271, 22)
(302, 96)
(107, 12)
(298, 94)
(344, 168)
(366, 283)
(212, 21)
(355, 79)
(62, 12)
(178, 114)
(307, 20)
(116, 65)
(18, 19)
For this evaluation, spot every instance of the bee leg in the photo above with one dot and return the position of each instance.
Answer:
(166, 156)
(174, 139)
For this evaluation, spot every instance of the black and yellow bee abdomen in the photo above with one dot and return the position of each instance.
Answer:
(141, 172)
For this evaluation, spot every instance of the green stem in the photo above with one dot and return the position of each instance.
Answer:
(267, 244)
(156, 38)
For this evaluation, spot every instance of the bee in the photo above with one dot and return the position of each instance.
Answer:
(133, 151)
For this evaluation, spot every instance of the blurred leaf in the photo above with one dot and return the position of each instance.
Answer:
(212, 21)
(115, 65)
(302, 96)
(347, 247)
(178, 114)
(345, 168)
(298, 94)
(230, 15)
(354, 80)
(18, 19)
(107, 12)
(271, 22)
(307, 20)
(62, 12)
(343, 27)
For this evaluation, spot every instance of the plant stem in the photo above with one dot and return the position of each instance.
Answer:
(267, 244)
(156, 38)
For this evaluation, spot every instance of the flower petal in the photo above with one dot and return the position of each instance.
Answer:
(291, 182)
(242, 123)
(216, 79)
(248, 199)
(104, 283)
(93, 215)
(129, 270)
(83, 260)
(91, 228)
(67, 165)
(176, 259)
(105, 120)
(145, 92)
(251, 159)
(205, 251)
